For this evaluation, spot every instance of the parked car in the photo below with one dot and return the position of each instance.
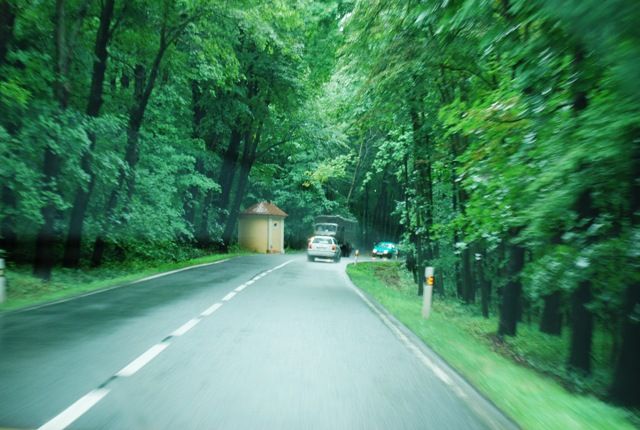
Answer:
(385, 250)
(323, 247)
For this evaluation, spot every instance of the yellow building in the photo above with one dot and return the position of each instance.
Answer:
(261, 228)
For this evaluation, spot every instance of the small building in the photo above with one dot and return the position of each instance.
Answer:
(261, 228)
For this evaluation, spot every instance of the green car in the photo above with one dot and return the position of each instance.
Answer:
(385, 250)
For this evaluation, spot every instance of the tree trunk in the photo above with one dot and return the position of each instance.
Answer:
(625, 388)
(73, 244)
(203, 237)
(191, 199)
(551, 320)
(509, 306)
(468, 286)
(229, 167)
(422, 167)
(581, 317)
(47, 237)
(8, 235)
(60, 84)
(455, 207)
(248, 158)
(485, 285)
(127, 177)
(103, 36)
(7, 21)
(581, 329)
(192, 195)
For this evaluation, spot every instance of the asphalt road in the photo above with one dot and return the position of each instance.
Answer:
(258, 342)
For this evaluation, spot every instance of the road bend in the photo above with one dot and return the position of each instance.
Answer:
(256, 342)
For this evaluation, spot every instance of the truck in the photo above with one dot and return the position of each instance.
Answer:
(344, 230)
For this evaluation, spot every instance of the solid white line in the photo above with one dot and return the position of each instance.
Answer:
(75, 411)
(211, 309)
(250, 282)
(228, 296)
(185, 327)
(159, 275)
(142, 360)
(104, 290)
(440, 374)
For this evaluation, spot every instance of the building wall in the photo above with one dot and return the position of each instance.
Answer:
(277, 235)
(253, 234)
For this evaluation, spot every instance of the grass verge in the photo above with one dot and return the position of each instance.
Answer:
(24, 290)
(533, 400)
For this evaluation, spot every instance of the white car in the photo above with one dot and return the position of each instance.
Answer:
(323, 247)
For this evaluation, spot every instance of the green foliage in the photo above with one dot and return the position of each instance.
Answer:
(505, 123)
(249, 67)
(540, 399)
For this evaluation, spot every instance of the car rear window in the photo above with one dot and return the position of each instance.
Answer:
(323, 240)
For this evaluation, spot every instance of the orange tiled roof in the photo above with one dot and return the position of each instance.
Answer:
(264, 208)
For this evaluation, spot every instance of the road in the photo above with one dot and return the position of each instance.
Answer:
(256, 342)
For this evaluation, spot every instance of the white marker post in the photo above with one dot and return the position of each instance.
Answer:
(428, 291)
(3, 293)
(357, 254)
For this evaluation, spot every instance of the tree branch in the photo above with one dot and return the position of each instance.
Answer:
(471, 72)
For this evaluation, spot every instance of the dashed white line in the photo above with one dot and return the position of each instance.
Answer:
(82, 405)
(75, 411)
(284, 264)
(142, 360)
(211, 309)
(186, 327)
(228, 296)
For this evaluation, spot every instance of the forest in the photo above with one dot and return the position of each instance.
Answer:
(496, 140)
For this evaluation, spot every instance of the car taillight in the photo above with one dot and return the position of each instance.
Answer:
(310, 246)
(333, 247)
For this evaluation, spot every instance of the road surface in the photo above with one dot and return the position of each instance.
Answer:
(256, 342)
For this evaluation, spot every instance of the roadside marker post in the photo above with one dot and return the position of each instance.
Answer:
(428, 291)
(3, 292)
(357, 255)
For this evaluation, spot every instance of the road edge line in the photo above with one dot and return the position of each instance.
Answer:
(105, 289)
(489, 412)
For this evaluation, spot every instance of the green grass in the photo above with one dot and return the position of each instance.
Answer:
(23, 289)
(534, 400)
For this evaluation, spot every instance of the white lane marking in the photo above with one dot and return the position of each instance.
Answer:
(82, 405)
(75, 411)
(142, 360)
(211, 309)
(185, 327)
(228, 296)
(283, 264)
(104, 290)
(159, 275)
(440, 374)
